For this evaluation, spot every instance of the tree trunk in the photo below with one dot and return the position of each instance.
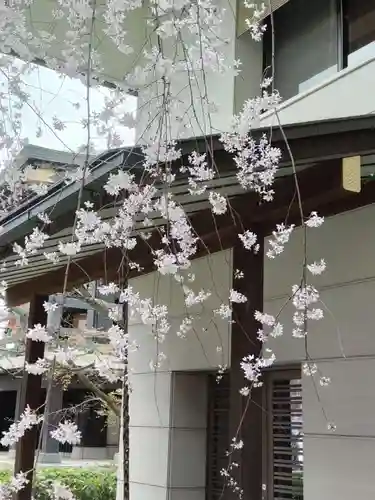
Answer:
(122, 492)
(31, 395)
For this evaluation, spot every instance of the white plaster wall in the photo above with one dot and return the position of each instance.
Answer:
(347, 243)
(189, 89)
(115, 64)
(168, 414)
(345, 94)
(337, 465)
(333, 98)
(247, 83)
(113, 435)
(199, 350)
(168, 409)
(340, 464)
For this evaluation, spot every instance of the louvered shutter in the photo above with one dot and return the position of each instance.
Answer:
(244, 13)
(217, 435)
(285, 438)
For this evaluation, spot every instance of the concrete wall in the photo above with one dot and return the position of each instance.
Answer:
(168, 409)
(247, 83)
(339, 464)
(341, 95)
(115, 64)
(113, 435)
(305, 44)
(199, 350)
(189, 89)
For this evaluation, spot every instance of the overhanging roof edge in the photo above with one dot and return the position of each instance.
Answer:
(12, 223)
(24, 214)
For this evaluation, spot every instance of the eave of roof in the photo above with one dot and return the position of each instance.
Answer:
(31, 152)
(63, 198)
(101, 166)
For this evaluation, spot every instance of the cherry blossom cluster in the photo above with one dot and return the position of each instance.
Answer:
(67, 432)
(61, 492)
(256, 161)
(38, 368)
(271, 326)
(237, 297)
(180, 240)
(249, 240)
(252, 367)
(28, 419)
(228, 472)
(38, 333)
(309, 369)
(33, 243)
(119, 341)
(254, 23)
(184, 328)
(303, 298)
(280, 237)
(231, 482)
(200, 173)
(106, 368)
(16, 483)
(148, 313)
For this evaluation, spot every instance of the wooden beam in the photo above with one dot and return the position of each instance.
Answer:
(215, 233)
(31, 393)
(347, 203)
(245, 419)
(321, 187)
(310, 142)
(325, 144)
(318, 186)
(80, 271)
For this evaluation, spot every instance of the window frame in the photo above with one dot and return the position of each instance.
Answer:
(291, 372)
(342, 36)
(212, 444)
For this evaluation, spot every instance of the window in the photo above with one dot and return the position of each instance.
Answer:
(74, 318)
(217, 435)
(315, 39)
(7, 412)
(284, 435)
(306, 49)
(359, 16)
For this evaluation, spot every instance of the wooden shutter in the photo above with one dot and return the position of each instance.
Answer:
(217, 435)
(284, 436)
(244, 13)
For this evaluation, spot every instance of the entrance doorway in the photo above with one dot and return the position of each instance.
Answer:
(7, 411)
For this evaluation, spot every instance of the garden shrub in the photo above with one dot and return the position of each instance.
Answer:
(84, 483)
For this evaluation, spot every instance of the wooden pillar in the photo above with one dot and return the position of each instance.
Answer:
(50, 447)
(123, 454)
(244, 342)
(31, 393)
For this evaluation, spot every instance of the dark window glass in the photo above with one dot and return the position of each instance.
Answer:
(285, 435)
(306, 45)
(360, 18)
(217, 436)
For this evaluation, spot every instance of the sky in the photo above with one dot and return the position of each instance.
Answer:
(51, 95)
